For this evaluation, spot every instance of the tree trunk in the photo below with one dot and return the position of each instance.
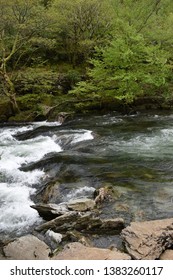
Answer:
(9, 91)
(15, 107)
(8, 86)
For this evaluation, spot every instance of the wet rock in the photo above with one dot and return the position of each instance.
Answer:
(27, 247)
(82, 222)
(61, 223)
(88, 223)
(62, 116)
(81, 204)
(51, 192)
(122, 207)
(112, 224)
(70, 157)
(76, 236)
(101, 195)
(77, 251)
(50, 211)
(147, 240)
(41, 130)
(167, 255)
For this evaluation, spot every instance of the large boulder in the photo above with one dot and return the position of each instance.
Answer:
(77, 251)
(147, 240)
(27, 247)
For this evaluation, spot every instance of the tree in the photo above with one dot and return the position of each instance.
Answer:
(136, 13)
(83, 25)
(46, 3)
(126, 69)
(19, 23)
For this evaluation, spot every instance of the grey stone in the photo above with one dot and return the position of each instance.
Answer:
(61, 223)
(147, 240)
(84, 222)
(27, 247)
(81, 204)
(77, 251)
(50, 211)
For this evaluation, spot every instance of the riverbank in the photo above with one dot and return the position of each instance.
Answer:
(46, 107)
(64, 237)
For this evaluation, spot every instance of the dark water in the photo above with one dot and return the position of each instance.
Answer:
(131, 154)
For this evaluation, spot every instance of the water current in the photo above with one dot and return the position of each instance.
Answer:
(131, 154)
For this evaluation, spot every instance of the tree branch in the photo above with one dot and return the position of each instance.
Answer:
(149, 15)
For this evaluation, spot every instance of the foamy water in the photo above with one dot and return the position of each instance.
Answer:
(16, 186)
(155, 144)
(83, 135)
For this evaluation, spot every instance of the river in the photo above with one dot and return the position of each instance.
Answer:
(131, 154)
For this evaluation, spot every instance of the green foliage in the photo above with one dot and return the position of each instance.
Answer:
(36, 81)
(119, 48)
(127, 69)
(82, 26)
(33, 101)
(45, 81)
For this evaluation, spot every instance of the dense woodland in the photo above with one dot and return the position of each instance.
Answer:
(83, 55)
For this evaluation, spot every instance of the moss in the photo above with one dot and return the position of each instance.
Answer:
(5, 109)
(32, 101)
(26, 116)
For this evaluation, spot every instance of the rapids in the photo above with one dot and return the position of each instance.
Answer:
(132, 154)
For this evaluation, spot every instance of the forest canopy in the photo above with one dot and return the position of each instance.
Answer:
(51, 49)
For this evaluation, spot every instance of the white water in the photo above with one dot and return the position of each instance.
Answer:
(154, 144)
(82, 136)
(16, 187)
(81, 192)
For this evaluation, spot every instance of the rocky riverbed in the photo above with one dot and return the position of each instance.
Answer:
(97, 187)
(68, 229)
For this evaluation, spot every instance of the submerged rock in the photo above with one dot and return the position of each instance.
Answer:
(27, 247)
(70, 157)
(77, 251)
(147, 240)
(81, 204)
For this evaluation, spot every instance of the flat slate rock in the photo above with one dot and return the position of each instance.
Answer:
(148, 240)
(77, 251)
(50, 211)
(81, 204)
(84, 222)
(27, 247)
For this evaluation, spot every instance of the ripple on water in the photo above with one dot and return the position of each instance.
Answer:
(136, 159)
